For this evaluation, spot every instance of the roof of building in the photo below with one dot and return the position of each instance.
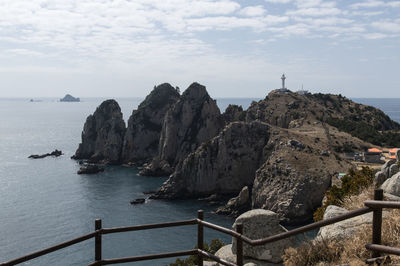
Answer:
(374, 150)
(394, 150)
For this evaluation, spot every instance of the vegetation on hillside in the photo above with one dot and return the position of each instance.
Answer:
(212, 248)
(352, 184)
(349, 251)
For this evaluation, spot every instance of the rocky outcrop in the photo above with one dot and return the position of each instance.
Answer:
(392, 185)
(192, 120)
(237, 205)
(69, 98)
(258, 224)
(55, 153)
(103, 135)
(144, 126)
(387, 171)
(234, 113)
(90, 169)
(293, 180)
(344, 229)
(223, 165)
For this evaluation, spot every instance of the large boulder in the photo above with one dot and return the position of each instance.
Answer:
(103, 135)
(144, 126)
(392, 185)
(386, 166)
(393, 169)
(344, 229)
(223, 165)
(380, 177)
(192, 120)
(258, 224)
(398, 155)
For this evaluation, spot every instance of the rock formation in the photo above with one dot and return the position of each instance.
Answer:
(234, 113)
(392, 185)
(55, 153)
(69, 98)
(144, 126)
(237, 205)
(103, 135)
(192, 120)
(222, 165)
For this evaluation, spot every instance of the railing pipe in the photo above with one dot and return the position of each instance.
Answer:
(239, 245)
(383, 249)
(147, 226)
(375, 204)
(215, 258)
(97, 240)
(377, 223)
(200, 237)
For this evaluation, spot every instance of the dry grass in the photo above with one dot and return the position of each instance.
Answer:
(348, 251)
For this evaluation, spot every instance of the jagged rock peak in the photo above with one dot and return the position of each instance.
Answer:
(192, 120)
(103, 134)
(144, 126)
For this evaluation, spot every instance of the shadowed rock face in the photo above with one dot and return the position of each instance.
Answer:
(144, 126)
(192, 120)
(103, 135)
(223, 165)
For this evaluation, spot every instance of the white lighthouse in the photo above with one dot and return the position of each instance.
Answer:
(283, 81)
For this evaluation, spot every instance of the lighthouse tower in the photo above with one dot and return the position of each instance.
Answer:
(283, 81)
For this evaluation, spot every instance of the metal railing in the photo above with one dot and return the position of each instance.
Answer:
(376, 246)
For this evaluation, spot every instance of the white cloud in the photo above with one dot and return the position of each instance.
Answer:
(375, 3)
(278, 1)
(315, 11)
(253, 11)
(374, 36)
(386, 25)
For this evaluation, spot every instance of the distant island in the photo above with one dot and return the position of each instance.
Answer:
(69, 98)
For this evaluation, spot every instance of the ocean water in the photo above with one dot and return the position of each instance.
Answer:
(44, 202)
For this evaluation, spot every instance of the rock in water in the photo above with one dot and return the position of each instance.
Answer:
(259, 224)
(144, 126)
(192, 120)
(55, 153)
(69, 98)
(237, 205)
(103, 135)
(90, 169)
(222, 165)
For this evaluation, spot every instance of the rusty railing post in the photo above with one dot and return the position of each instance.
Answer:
(200, 237)
(97, 241)
(377, 223)
(239, 245)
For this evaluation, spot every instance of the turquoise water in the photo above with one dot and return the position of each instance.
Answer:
(44, 202)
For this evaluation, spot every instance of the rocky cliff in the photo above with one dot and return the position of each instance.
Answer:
(195, 118)
(103, 135)
(223, 165)
(144, 126)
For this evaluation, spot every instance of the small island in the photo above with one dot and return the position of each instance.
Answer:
(69, 98)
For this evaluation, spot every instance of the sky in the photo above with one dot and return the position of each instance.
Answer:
(235, 48)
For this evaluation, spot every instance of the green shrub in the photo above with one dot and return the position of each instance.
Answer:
(212, 248)
(352, 183)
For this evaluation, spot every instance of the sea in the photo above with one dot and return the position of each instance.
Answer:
(44, 202)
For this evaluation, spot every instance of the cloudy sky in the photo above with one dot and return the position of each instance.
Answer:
(236, 48)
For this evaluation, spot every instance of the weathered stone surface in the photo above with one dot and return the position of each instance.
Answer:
(226, 253)
(343, 229)
(398, 155)
(144, 126)
(237, 205)
(103, 135)
(380, 177)
(234, 113)
(392, 185)
(385, 167)
(194, 119)
(223, 165)
(259, 223)
(90, 169)
(393, 169)
(294, 195)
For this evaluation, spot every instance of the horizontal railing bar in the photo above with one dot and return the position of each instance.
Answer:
(225, 230)
(215, 258)
(310, 227)
(145, 257)
(147, 226)
(48, 250)
(382, 204)
(384, 249)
